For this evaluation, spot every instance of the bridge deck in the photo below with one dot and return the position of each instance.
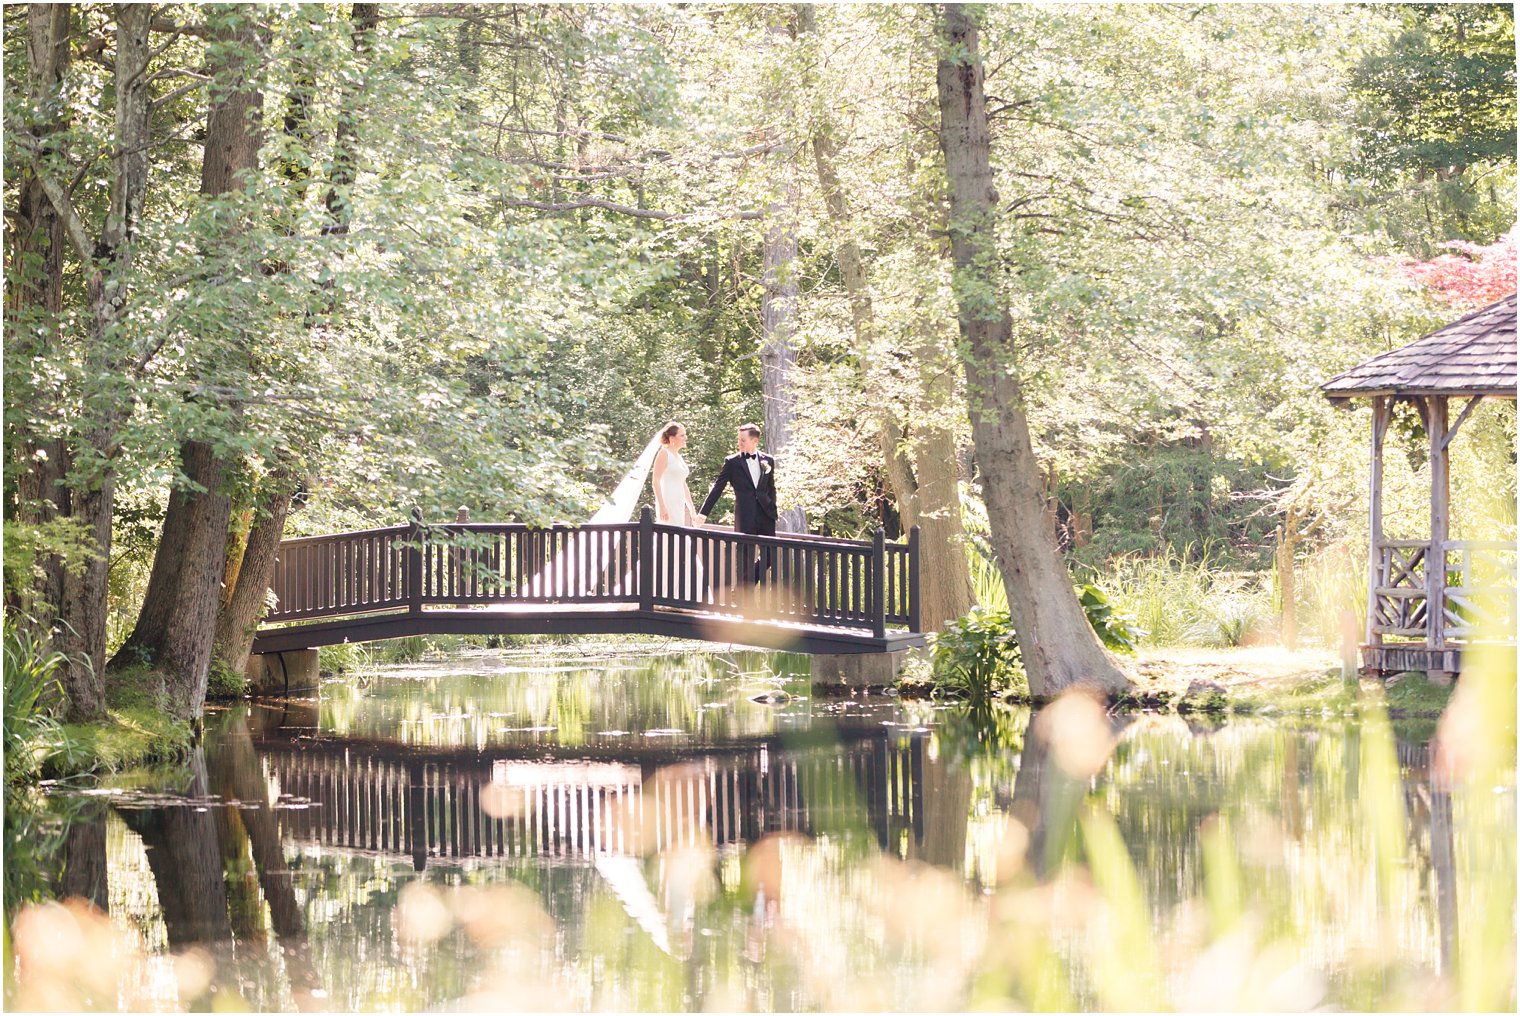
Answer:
(582, 619)
(799, 593)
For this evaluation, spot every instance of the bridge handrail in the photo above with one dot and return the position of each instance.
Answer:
(345, 534)
(502, 527)
(819, 580)
(779, 540)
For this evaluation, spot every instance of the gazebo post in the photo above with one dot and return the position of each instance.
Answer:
(1472, 357)
(1435, 559)
(1380, 415)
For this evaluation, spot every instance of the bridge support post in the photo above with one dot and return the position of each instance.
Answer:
(878, 599)
(855, 671)
(646, 559)
(293, 672)
(414, 563)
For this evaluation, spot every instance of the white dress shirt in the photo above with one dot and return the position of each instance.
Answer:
(754, 469)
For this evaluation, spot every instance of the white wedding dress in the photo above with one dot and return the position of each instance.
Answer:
(673, 491)
(678, 512)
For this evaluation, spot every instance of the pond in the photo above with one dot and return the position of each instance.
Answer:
(685, 832)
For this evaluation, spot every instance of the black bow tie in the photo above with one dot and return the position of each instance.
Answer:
(748, 455)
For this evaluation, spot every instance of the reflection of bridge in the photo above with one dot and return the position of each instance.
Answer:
(458, 805)
(814, 594)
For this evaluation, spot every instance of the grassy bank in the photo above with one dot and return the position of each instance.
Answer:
(135, 730)
(1261, 680)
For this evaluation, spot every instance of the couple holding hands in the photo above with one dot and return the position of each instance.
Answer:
(750, 472)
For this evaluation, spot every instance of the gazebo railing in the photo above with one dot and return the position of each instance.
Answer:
(1401, 599)
(1480, 590)
(1479, 598)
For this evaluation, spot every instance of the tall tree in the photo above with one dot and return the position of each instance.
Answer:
(34, 248)
(778, 303)
(922, 471)
(1058, 645)
(244, 603)
(108, 260)
(177, 623)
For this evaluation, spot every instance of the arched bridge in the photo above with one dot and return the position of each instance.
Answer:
(795, 592)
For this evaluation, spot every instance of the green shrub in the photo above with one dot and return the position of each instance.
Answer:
(1182, 600)
(224, 682)
(349, 657)
(1118, 631)
(977, 657)
(32, 734)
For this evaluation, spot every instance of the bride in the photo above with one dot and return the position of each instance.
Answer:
(674, 507)
(672, 495)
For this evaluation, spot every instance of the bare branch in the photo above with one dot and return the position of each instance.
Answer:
(165, 25)
(62, 203)
(180, 92)
(629, 210)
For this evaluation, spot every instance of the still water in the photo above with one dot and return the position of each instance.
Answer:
(687, 832)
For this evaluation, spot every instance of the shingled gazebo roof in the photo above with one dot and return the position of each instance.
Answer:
(1472, 356)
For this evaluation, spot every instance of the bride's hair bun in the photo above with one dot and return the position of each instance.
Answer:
(669, 432)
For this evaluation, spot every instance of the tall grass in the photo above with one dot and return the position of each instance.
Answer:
(32, 734)
(1180, 600)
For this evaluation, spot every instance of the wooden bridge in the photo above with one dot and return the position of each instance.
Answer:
(796, 592)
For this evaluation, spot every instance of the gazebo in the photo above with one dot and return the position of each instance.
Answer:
(1428, 598)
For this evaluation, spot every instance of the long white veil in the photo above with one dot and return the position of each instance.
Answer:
(619, 507)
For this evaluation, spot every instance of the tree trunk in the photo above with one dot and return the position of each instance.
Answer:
(177, 623)
(931, 498)
(778, 321)
(34, 302)
(108, 259)
(1058, 645)
(239, 619)
(778, 312)
(364, 18)
(1287, 547)
(243, 603)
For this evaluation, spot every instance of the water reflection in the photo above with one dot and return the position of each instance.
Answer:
(644, 834)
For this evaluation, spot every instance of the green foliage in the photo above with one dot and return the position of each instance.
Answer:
(1182, 599)
(1441, 95)
(224, 683)
(977, 657)
(32, 736)
(347, 658)
(1117, 631)
(27, 544)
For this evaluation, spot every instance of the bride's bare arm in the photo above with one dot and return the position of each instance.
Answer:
(659, 499)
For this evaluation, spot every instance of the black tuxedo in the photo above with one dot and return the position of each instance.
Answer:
(754, 505)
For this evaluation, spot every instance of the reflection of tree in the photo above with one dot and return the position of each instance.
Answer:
(236, 776)
(54, 846)
(505, 699)
(84, 857)
(186, 858)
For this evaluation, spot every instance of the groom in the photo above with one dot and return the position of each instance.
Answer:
(752, 473)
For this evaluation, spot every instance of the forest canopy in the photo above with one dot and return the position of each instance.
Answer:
(320, 265)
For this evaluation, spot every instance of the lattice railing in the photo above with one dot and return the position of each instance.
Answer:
(1400, 606)
(1480, 590)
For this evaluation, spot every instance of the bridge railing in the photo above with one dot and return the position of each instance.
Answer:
(805, 579)
(342, 573)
